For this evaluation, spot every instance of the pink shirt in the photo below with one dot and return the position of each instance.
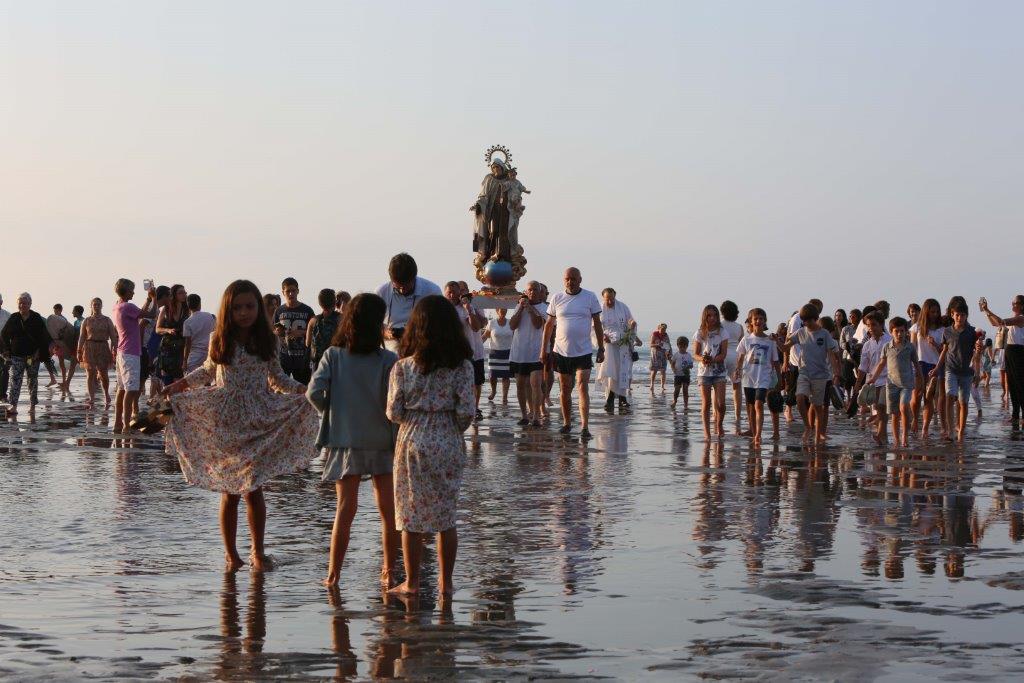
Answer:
(126, 320)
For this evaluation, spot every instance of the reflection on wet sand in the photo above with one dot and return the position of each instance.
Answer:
(642, 552)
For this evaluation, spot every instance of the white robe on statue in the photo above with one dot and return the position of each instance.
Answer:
(615, 372)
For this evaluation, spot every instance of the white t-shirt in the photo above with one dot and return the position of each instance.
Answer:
(526, 339)
(198, 327)
(1015, 335)
(926, 353)
(795, 323)
(476, 341)
(711, 344)
(870, 353)
(501, 335)
(574, 315)
(759, 353)
(681, 363)
(736, 334)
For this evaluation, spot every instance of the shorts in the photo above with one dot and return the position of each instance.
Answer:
(478, 372)
(567, 366)
(129, 371)
(896, 397)
(816, 390)
(681, 381)
(753, 395)
(710, 380)
(925, 368)
(959, 386)
(525, 368)
(876, 394)
(775, 402)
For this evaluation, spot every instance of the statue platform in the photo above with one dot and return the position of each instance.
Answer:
(484, 300)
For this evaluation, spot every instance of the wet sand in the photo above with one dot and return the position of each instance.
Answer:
(644, 553)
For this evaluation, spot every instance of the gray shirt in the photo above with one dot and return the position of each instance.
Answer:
(350, 391)
(814, 349)
(901, 364)
(400, 305)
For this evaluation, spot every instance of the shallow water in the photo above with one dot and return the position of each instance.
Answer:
(643, 553)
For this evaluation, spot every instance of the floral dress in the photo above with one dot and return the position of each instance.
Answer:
(238, 434)
(432, 411)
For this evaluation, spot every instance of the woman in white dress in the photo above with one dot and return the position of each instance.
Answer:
(620, 339)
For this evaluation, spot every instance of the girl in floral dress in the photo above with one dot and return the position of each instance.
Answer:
(431, 399)
(252, 425)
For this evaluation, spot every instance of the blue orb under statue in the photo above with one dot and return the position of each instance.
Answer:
(498, 273)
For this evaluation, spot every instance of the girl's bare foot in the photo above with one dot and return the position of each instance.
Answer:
(332, 578)
(806, 438)
(387, 578)
(823, 438)
(261, 563)
(756, 443)
(444, 589)
(232, 563)
(403, 589)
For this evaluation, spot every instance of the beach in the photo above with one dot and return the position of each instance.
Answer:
(644, 553)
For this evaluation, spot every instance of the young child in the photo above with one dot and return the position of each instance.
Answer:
(903, 374)
(349, 389)
(238, 434)
(958, 355)
(817, 349)
(682, 361)
(757, 359)
(711, 344)
(320, 332)
(871, 357)
(431, 399)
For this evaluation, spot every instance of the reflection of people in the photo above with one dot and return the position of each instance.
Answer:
(349, 388)
(240, 433)
(431, 399)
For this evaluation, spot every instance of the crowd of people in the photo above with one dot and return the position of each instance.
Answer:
(384, 384)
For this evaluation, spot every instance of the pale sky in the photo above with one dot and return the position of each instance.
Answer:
(681, 152)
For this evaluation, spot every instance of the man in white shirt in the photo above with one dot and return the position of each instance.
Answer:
(197, 330)
(5, 369)
(472, 322)
(571, 314)
(527, 323)
(400, 293)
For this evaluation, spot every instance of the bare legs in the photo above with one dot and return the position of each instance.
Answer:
(256, 511)
(737, 400)
(582, 381)
(706, 392)
(412, 550)
(126, 404)
(348, 502)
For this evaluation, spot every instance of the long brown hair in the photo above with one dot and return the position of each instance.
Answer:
(710, 308)
(434, 336)
(261, 342)
(361, 329)
(924, 321)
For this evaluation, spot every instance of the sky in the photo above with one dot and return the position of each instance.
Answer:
(680, 152)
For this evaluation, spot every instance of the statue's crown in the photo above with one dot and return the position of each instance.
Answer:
(498, 149)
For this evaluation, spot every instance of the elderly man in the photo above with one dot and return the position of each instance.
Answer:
(571, 314)
(400, 293)
(620, 333)
(26, 339)
(527, 323)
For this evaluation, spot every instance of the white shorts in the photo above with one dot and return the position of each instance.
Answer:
(129, 371)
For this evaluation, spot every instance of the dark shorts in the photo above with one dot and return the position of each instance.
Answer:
(569, 366)
(478, 372)
(681, 380)
(752, 395)
(525, 368)
(299, 374)
(775, 402)
(926, 368)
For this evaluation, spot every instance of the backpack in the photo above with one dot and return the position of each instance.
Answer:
(323, 332)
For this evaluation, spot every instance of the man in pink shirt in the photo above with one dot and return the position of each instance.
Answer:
(129, 351)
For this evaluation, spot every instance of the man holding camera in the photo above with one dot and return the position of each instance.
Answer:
(403, 289)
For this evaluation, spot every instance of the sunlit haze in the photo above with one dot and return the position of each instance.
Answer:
(683, 153)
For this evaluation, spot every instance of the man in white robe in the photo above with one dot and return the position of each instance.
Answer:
(615, 372)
